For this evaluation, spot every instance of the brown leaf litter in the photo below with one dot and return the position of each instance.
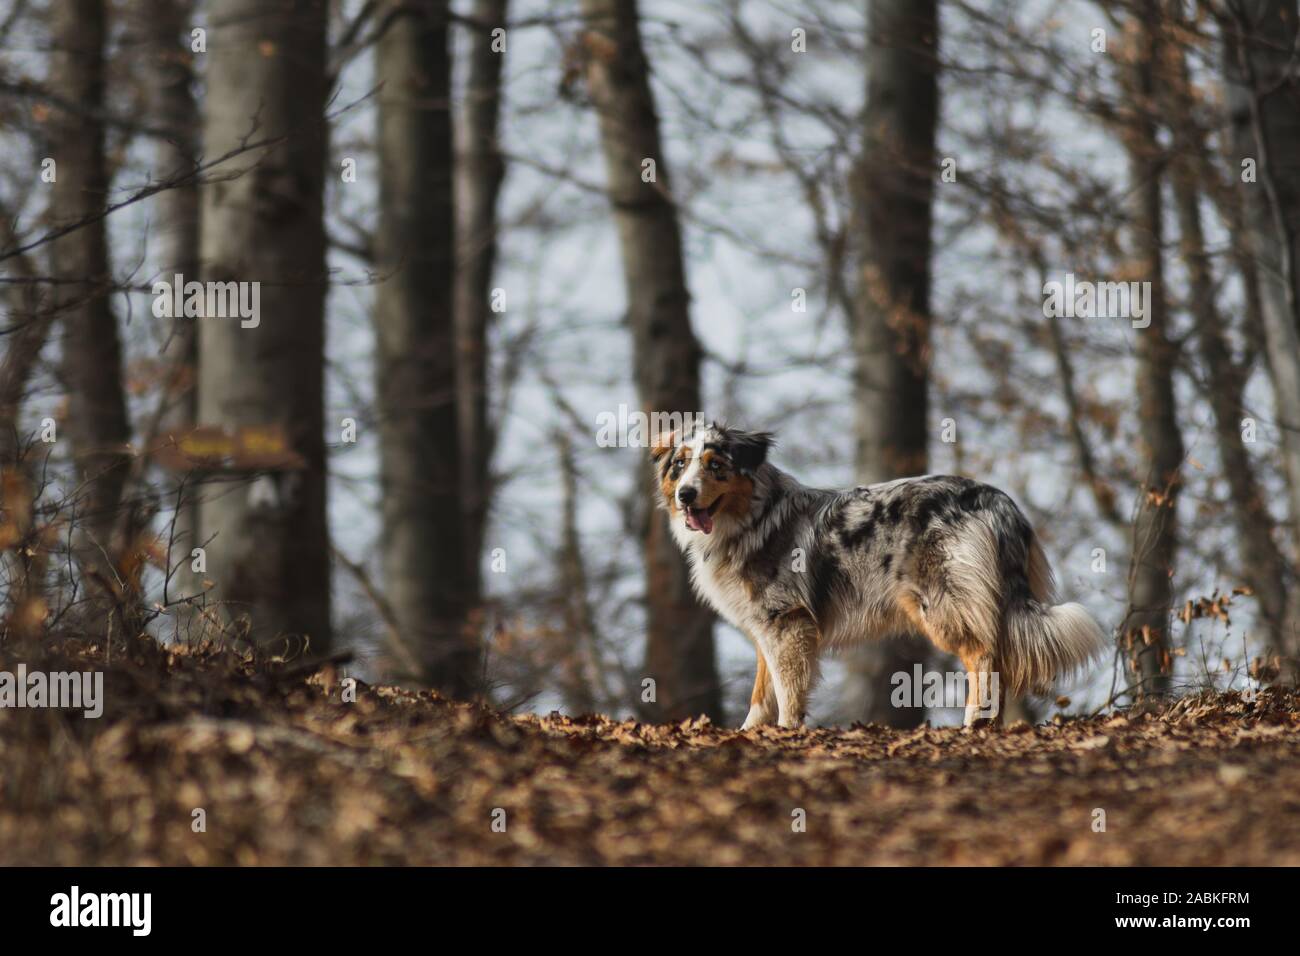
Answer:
(286, 772)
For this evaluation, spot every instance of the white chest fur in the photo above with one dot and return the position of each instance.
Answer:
(722, 588)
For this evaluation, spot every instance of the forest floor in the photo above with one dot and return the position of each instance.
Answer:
(286, 772)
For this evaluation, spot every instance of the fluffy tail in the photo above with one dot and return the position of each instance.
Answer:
(1042, 641)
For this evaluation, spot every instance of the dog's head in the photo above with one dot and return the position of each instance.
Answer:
(707, 475)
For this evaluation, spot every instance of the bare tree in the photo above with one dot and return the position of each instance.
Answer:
(425, 568)
(92, 355)
(1263, 99)
(480, 170)
(1155, 532)
(1263, 565)
(27, 329)
(169, 98)
(893, 199)
(666, 354)
(162, 27)
(261, 222)
(583, 679)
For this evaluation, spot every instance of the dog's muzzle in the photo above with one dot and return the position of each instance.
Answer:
(698, 519)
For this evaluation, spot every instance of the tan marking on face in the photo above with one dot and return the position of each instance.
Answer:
(739, 490)
(712, 485)
(669, 483)
(726, 481)
(716, 480)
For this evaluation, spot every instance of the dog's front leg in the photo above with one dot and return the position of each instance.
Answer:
(790, 645)
(762, 702)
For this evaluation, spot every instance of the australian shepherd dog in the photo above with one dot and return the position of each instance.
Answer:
(800, 570)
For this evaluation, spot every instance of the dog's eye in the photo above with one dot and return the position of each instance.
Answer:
(677, 466)
(715, 466)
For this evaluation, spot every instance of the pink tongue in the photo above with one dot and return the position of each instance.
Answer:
(699, 520)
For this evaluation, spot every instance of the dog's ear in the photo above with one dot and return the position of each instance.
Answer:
(748, 450)
(663, 443)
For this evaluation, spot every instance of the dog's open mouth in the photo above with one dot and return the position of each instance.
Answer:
(701, 519)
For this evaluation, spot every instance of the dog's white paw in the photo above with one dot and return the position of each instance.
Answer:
(758, 717)
(978, 717)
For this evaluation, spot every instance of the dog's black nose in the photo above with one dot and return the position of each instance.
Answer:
(687, 495)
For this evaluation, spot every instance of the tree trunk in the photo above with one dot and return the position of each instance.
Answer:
(269, 548)
(892, 208)
(666, 355)
(1155, 533)
(96, 420)
(163, 27)
(582, 675)
(480, 170)
(425, 571)
(26, 321)
(27, 325)
(164, 30)
(1263, 566)
(1263, 99)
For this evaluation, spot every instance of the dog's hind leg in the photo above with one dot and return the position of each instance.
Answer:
(985, 695)
(790, 644)
(762, 702)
